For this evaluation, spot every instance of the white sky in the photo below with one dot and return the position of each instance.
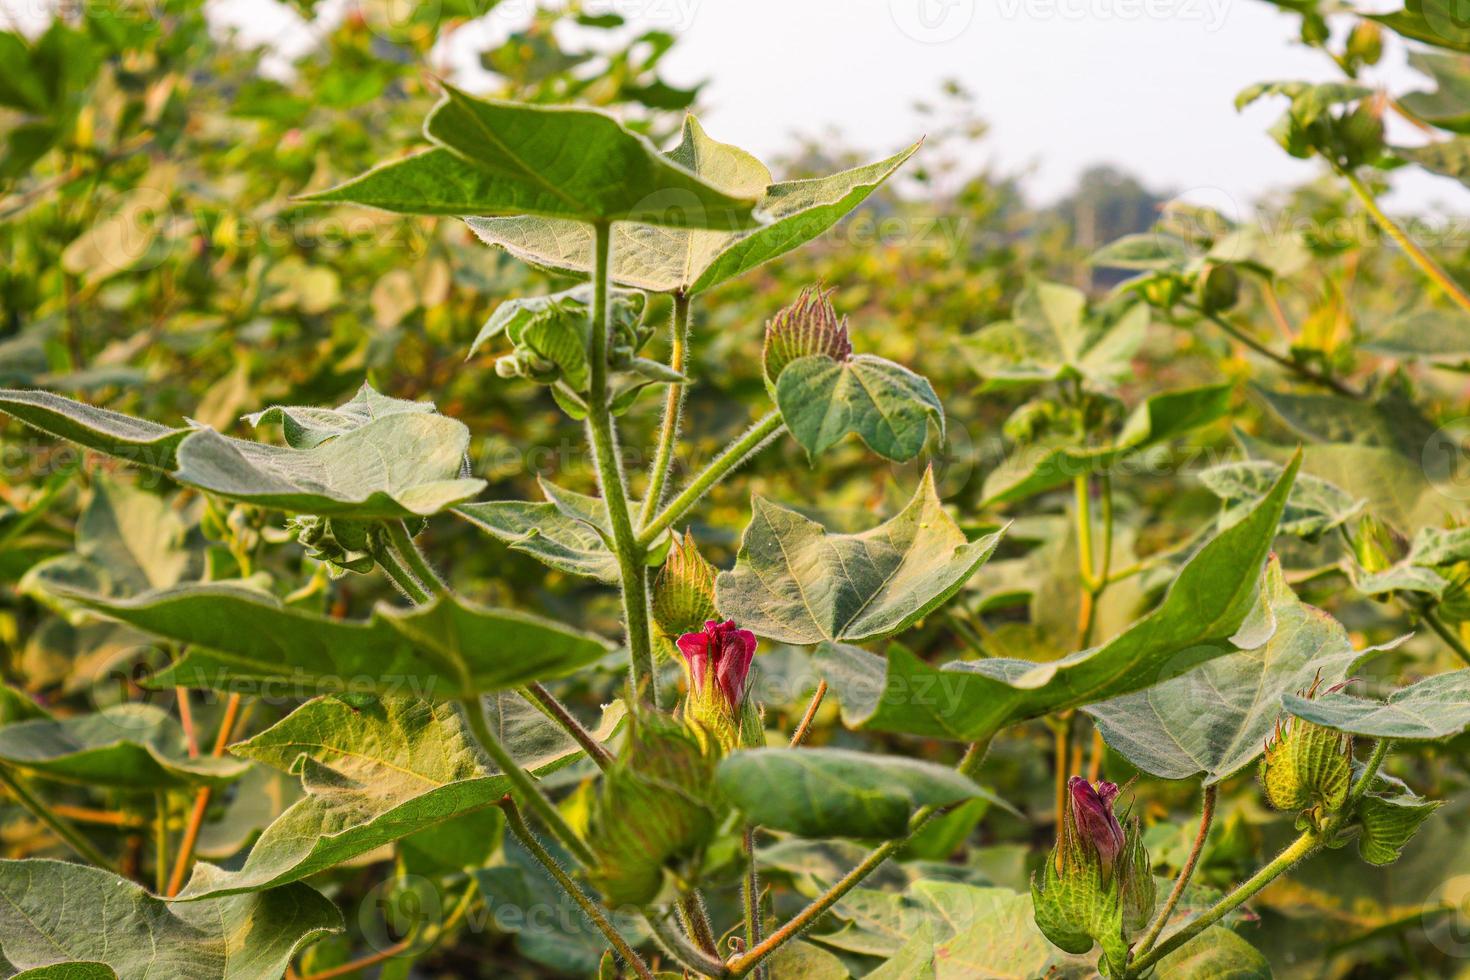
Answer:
(1145, 84)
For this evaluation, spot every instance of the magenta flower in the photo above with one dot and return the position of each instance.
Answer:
(1093, 820)
(724, 651)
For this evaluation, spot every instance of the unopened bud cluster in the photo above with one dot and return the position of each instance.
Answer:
(809, 327)
(1307, 768)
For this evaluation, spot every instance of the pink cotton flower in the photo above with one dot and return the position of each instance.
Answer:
(724, 651)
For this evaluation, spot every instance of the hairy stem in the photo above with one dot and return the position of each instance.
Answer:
(630, 551)
(525, 787)
(401, 577)
(696, 922)
(751, 958)
(729, 458)
(523, 833)
(752, 896)
(1207, 816)
(1303, 371)
(658, 477)
(799, 736)
(413, 559)
(558, 712)
(61, 827)
(1417, 255)
(678, 946)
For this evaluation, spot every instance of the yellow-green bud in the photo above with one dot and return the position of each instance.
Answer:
(1307, 767)
(684, 591)
(1219, 288)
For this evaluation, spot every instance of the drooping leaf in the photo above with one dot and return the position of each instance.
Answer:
(888, 406)
(506, 158)
(376, 771)
(1151, 251)
(135, 440)
(793, 582)
(1436, 707)
(569, 531)
(1051, 336)
(1389, 823)
(305, 427)
(241, 640)
(55, 912)
(1205, 614)
(669, 260)
(836, 792)
(1314, 507)
(1029, 470)
(1215, 954)
(128, 746)
(1215, 719)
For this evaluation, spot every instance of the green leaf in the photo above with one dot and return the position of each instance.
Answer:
(305, 427)
(376, 771)
(242, 640)
(69, 971)
(1147, 251)
(1205, 614)
(1445, 107)
(1436, 707)
(403, 465)
(1448, 158)
(887, 405)
(1314, 507)
(569, 531)
(1030, 470)
(957, 931)
(506, 158)
(1436, 22)
(128, 746)
(1215, 719)
(1215, 954)
(836, 792)
(670, 260)
(135, 440)
(1437, 336)
(55, 912)
(1051, 337)
(793, 582)
(802, 961)
(1389, 823)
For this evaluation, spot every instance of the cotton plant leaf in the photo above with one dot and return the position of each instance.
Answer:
(1029, 470)
(1420, 569)
(1051, 336)
(823, 400)
(1214, 720)
(113, 433)
(794, 582)
(568, 531)
(1434, 708)
(68, 971)
(1447, 158)
(836, 792)
(1210, 610)
(135, 747)
(1388, 823)
(379, 770)
(691, 261)
(1433, 335)
(1448, 105)
(1215, 954)
(1434, 22)
(58, 913)
(247, 641)
(508, 158)
(305, 426)
(1314, 507)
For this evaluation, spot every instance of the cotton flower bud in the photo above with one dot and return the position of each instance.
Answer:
(652, 810)
(808, 327)
(343, 545)
(717, 663)
(1097, 887)
(1219, 288)
(1307, 767)
(684, 591)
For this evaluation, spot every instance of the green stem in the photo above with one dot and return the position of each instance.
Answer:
(1207, 816)
(1370, 769)
(558, 713)
(1445, 633)
(525, 787)
(678, 946)
(1417, 255)
(413, 559)
(630, 551)
(1302, 371)
(401, 577)
(517, 825)
(751, 958)
(752, 896)
(658, 478)
(696, 923)
(61, 827)
(729, 458)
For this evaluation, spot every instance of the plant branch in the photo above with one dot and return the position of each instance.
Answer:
(201, 801)
(74, 839)
(752, 896)
(696, 923)
(1303, 371)
(799, 736)
(658, 477)
(744, 446)
(678, 946)
(558, 712)
(517, 825)
(1207, 816)
(1417, 255)
(409, 553)
(401, 577)
(362, 963)
(602, 434)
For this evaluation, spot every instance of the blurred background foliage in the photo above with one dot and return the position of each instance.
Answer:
(155, 263)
